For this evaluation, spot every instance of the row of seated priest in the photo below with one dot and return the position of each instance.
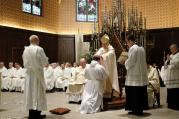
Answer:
(53, 73)
(13, 78)
(58, 76)
(67, 78)
(63, 77)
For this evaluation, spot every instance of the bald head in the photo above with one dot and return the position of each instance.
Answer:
(174, 48)
(34, 39)
(83, 62)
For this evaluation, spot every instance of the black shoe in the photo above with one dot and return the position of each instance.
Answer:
(131, 113)
(139, 113)
(65, 89)
(31, 114)
(31, 118)
(136, 113)
(79, 102)
(42, 116)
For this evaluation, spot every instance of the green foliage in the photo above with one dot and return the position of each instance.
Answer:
(88, 56)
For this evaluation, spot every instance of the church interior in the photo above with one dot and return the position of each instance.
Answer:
(71, 33)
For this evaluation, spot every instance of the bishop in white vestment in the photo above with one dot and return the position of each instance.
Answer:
(107, 53)
(92, 98)
(34, 60)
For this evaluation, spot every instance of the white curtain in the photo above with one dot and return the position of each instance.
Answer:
(81, 47)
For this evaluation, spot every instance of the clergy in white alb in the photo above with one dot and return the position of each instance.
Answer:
(76, 84)
(163, 70)
(107, 53)
(153, 78)
(3, 71)
(67, 75)
(73, 69)
(59, 77)
(154, 86)
(56, 68)
(92, 98)
(136, 79)
(172, 78)
(56, 73)
(49, 77)
(18, 80)
(34, 60)
(7, 82)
